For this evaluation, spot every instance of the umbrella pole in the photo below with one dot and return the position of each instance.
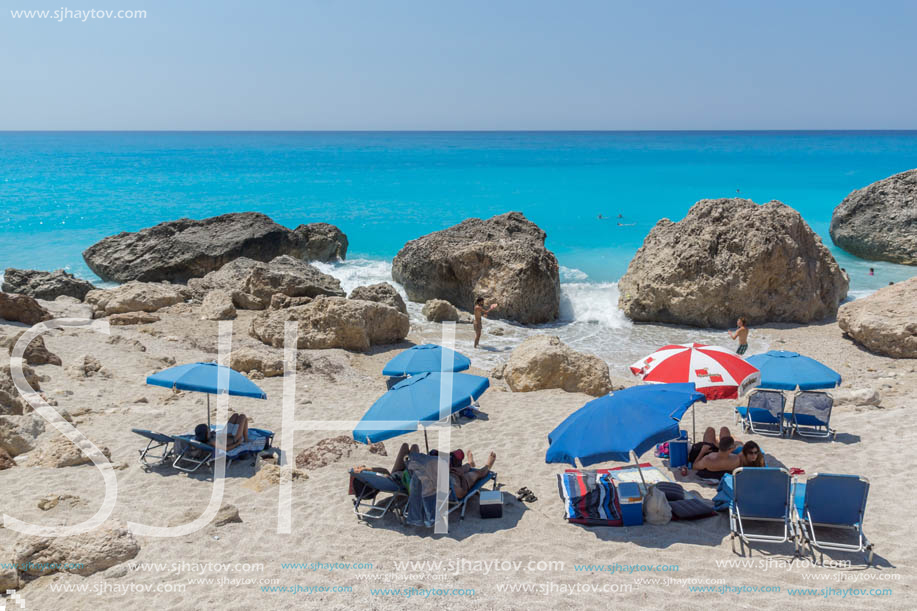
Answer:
(693, 424)
(208, 413)
(425, 440)
(640, 471)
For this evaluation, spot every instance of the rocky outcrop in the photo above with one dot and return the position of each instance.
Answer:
(18, 434)
(886, 321)
(9, 576)
(87, 366)
(731, 258)
(856, 396)
(186, 248)
(879, 221)
(134, 297)
(334, 322)
(11, 402)
(36, 353)
(438, 310)
(502, 259)
(60, 452)
(279, 301)
(45, 285)
(226, 514)
(543, 361)
(217, 305)
(253, 284)
(263, 361)
(22, 308)
(132, 318)
(82, 554)
(6, 461)
(383, 292)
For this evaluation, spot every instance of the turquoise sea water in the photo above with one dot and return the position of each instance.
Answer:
(60, 192)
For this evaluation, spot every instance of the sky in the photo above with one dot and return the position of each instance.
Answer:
(460, 65)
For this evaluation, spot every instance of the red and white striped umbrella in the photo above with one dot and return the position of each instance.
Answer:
(716, 372)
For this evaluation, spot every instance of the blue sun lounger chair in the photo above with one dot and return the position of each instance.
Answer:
(760, 494)
(455, 503)
(158, 449)
(191, 454)
(811, 414)
(764, 413)
(370, 485)
(831, 502)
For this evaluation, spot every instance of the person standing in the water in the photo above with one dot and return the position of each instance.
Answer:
(741, 334)
(479, 312)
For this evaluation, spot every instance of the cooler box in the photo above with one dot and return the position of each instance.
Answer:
(678, 451)
(491, 503)
(631, 503)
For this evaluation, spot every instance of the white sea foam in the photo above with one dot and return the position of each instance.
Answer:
(571, 274)
(592, 302)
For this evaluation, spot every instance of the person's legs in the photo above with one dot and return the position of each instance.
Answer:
(403, 452)
(477, 334)
(242, 432)
(473, 477)
(708, 445)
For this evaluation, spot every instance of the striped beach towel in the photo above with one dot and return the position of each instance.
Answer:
(590, 498)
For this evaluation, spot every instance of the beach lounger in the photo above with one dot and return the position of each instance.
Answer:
(191, 454)
(811, 414)
(455, 503)
(760, 494)
(764, 413)
(370, 485)
(158, 449)
(831, 502)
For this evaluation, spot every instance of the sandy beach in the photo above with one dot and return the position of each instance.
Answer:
(327, 537)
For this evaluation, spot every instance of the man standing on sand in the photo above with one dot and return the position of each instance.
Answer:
(479, 311)
(742, 335)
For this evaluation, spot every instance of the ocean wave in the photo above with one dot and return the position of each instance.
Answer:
(595, 302)
(571, 274)
(360, 272)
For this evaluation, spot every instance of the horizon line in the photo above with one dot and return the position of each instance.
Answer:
(453, 131)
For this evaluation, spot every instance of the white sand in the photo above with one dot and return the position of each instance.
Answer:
(876, 442)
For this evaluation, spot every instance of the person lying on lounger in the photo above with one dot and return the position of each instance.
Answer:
(398, 472)
(463, 477)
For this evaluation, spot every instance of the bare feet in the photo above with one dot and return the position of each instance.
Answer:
(490, 460)
(471, 459)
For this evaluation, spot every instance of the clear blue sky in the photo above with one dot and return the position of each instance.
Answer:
(462, 64)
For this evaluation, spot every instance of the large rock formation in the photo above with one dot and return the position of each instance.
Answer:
(134, 297)
(880, 221)
(184, 249)
(82, 554)
(731, 258)
(502, 259)
(22, 308)
(334, 322)
(60, 452)
(543, 361)
(886, 321)
(44, 285)
(252, 283)
(383, 292)
(36, 353)
(18, 434)
(217, 305)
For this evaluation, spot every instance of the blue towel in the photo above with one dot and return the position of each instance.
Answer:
(724, 494)
(421, 507)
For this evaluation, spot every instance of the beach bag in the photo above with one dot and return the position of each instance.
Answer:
(656, 509)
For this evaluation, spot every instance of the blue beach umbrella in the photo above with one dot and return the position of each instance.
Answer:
(785, 370)
(424, 358)
(416, 401)
(628, 421)
(208, 378)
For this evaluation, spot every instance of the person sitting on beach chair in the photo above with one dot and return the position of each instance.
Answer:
(710, 445)
(463, 477)
(236, 433)
(398, 469)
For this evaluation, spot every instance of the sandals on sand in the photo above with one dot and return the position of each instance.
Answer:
(525, 495)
